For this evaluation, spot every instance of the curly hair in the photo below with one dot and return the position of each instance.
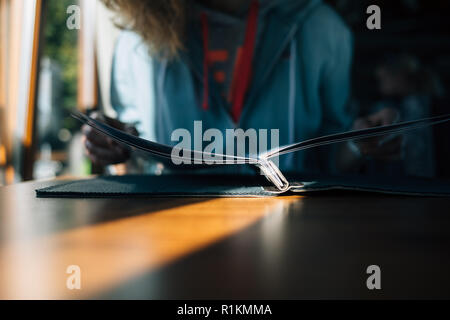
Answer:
(160, 23)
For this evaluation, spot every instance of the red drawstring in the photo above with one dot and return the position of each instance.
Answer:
(246, 61)
(205, 28)
(244, 68)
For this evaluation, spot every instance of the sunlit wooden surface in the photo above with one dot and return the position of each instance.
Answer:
(289, 247)
(111, 240)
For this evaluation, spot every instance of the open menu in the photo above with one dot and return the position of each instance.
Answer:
(262, 161)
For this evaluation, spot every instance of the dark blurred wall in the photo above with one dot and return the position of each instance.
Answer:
(420, 28)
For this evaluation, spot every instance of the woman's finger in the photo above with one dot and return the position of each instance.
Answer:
(111, 155)
(96, 137)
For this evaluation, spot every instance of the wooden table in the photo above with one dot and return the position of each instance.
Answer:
(287, 247)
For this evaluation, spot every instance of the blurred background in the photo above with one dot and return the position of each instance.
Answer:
(47, 70)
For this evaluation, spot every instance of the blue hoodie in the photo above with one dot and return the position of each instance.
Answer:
(300, 83)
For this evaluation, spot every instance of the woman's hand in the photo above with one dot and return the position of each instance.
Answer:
(101, 149)
(378, 147)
